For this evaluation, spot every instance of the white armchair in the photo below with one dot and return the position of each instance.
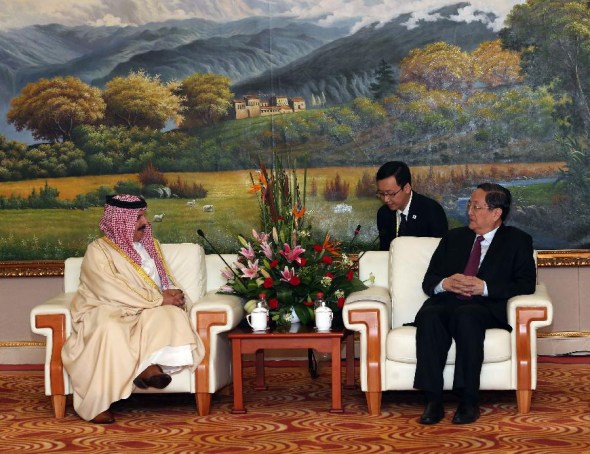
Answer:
(388, 349)
(212, 316)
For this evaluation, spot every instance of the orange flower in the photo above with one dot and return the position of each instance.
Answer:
(259, 186)
(298, 213)
(333, 247)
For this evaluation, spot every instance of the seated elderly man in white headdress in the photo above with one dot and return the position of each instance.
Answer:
(130, 326)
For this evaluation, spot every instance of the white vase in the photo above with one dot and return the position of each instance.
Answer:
(294, 318)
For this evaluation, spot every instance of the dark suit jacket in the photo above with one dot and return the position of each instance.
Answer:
(425, 218)
(508, 267)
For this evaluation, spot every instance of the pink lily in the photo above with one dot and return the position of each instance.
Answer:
(287, 274)
(260, 237)
(252, 270)
(248, 252)
(292, 254)
(227, 274)
(267, 250)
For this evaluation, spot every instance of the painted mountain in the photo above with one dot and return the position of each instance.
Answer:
(260, 54)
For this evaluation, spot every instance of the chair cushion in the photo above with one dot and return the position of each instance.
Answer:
(409, 259)
(401, 346)
(187, 265)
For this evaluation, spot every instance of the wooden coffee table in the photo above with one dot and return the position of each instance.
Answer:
(297, 336)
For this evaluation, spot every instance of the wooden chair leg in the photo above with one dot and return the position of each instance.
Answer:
(59, 405)
(523, 400)
(374, 402)
(203, 403)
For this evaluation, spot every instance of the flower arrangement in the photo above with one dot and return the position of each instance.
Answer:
(284, 262)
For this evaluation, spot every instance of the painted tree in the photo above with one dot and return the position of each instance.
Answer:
(52, 108)
(384, 84)
(142, 100)
(554, 38)
(496, 66)
(440, 66)
(207, 99)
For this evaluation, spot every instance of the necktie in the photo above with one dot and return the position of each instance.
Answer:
(474, 258)
(401, 228)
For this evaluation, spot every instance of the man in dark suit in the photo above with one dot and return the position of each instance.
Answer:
(471, 275)
(405, 212)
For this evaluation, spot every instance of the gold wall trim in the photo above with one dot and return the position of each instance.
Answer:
(55, 268)
(12, 344)
(564, 334)
(39, 268)
(565, 257)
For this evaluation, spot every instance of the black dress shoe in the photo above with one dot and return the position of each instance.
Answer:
(433, 413)
(154, 377)
(466, 413)
(106, 417)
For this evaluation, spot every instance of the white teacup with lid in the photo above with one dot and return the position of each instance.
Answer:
(323, 314)
(258, 319)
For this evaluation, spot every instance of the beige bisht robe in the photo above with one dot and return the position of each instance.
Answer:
(118, 321)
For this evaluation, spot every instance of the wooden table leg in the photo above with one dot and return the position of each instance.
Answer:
(237, 376)
(349, 384)
(260, 382)
(336, 377)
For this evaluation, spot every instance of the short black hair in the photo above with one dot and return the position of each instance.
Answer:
(497, 196)
(397, 169)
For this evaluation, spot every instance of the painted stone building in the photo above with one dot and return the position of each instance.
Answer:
(254, 106)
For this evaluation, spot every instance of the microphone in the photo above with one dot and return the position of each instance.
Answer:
(363, 253)
(202, 235)
(355, 234)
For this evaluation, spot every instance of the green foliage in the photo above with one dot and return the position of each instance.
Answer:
(384, 84)
(206, 98)
(43, 161)
(128, 187)
(141, 100)
(554, 39)
(51, 109)
(118, 149)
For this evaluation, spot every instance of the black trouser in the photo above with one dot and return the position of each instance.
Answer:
(440, 320)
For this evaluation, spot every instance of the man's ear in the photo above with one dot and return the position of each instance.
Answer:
(497, 213)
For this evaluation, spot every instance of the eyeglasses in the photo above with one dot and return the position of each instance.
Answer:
(390, 194)
(476, 208)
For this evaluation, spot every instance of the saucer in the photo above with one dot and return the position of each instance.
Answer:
(260, 330)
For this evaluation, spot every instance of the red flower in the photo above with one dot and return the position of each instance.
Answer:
(308, 303)
(327, 259)
(330, 275)
(317, 247)
(302, 261)
(267, 282)
(274, 263)
(350, 275)
(295, 281)
(273, 303)
(341, 302)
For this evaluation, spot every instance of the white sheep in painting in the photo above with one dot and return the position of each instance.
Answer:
(159, 217)
(191, 203)
(208, 208)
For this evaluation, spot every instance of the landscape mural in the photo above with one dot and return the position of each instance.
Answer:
(181, 101)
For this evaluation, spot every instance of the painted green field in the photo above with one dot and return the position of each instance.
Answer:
(57, 233)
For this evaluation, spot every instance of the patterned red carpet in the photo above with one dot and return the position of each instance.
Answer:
(292, 417)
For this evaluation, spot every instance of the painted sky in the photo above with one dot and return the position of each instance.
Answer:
(21, 13)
